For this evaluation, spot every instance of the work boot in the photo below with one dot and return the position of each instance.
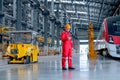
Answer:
(64, 68)
(71, 68)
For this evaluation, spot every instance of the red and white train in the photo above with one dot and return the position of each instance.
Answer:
(108, 40)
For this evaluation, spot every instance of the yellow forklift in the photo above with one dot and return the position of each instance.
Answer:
(23, 47)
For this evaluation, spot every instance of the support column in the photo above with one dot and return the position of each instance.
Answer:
(52, 24)
(1, 5)
(14, 8)
(64, 19)
(1, 9)
(35, 19)
(45, 26)
(73, 27)
(24, 23)
(19, 14)
(58, 27)
(53, 31)
(45, 30)
(14, 13)
(58, 36)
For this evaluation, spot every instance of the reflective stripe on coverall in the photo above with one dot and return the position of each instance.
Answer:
(66, 48)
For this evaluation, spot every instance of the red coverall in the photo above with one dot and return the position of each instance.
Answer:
(67, 46)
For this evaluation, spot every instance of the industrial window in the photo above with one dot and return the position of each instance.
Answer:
(116, 28)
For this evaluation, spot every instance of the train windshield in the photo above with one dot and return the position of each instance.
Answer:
(114, 28)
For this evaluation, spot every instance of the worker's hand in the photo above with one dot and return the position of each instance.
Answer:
(69, 38)
(73, 49)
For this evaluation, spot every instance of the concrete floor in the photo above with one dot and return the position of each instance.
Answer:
(49, 68)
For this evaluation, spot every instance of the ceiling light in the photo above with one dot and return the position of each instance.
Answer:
(74, 18)
(68, 11)
(80, 23)
(66, 1)
(81, 12)
(82, 2)
(79, 2)
(83, 19)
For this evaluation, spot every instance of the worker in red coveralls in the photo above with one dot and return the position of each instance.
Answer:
(67, 47)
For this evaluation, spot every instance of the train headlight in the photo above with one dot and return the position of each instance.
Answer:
(111, 39)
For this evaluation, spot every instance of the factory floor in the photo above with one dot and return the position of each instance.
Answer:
(49, 68)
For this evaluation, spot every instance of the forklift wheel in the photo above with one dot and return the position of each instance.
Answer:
(38, 54)
(27, 60)
(9, 62)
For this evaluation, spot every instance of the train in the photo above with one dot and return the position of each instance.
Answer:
(108, 39)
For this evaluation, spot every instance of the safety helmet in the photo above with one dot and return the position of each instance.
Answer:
(67, 26)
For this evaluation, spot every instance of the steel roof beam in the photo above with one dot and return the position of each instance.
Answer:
(77, 5)
(101, 11)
